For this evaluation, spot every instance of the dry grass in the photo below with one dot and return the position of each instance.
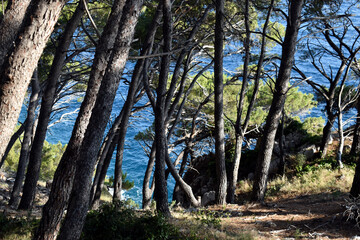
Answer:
(313, 182)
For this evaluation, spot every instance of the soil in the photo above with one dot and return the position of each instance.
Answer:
(318, 216)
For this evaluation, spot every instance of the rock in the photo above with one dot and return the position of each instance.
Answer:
(309, 151)
(207, 198)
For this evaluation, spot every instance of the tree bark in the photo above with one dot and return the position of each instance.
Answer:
(33, 172)
(25, 147)
(130, 101)
(277, 105)
(148, 190)
(20, 64)
(104, 159)
(79, 199)
(219, 112)
(160, 193)
(10, 25)
(63, 179)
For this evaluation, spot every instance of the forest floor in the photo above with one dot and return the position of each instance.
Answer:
(283, 216)
(314, 216)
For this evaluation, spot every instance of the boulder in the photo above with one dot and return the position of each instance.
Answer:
(309, 151)
(208, 198)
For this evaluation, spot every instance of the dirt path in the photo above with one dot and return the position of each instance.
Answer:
(318, 216)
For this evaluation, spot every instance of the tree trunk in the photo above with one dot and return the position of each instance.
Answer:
(20, 64)
(105, 156)
(239, 132)
(79, 199)
(33, 171)
(148, 190)
(25, 147)
(160, 193)
(327, 134)
(64, 175)
(10, 25)
(277, 105)
(99, 184)
(219, 112)
(130, 101)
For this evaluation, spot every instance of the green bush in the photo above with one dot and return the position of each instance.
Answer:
(117, 221)
(16, 228)
(51, 155)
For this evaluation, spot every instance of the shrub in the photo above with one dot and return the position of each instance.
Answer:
(117, 221)
(51, 155)
(16, 228)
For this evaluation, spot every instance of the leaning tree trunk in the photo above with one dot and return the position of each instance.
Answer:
(79, 199)
(25, 147)
(10, 25)
(277, 105)
(62, 183)
(21, 62)
(33, 172)
(219, 111)
(104, 157)
(147, 189)
(130, 101)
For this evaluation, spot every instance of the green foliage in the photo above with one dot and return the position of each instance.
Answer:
(126, 184)
(16, 228)
(116, 221)
(209, 218)
(296, 102)
(51, 156)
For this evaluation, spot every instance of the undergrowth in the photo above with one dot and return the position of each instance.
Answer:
(16, 228)
(117, 221)
(319, 177)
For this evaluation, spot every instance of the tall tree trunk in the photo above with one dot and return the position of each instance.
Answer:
(79, 199)
(99, 184)
(21, 62)
(33, 171)
(104, 156)
(219, 112)
(25, 147)
(277, 105)
(130, 101)
(10, 25)
(160, 193)
(239, 132)
(63, 179)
